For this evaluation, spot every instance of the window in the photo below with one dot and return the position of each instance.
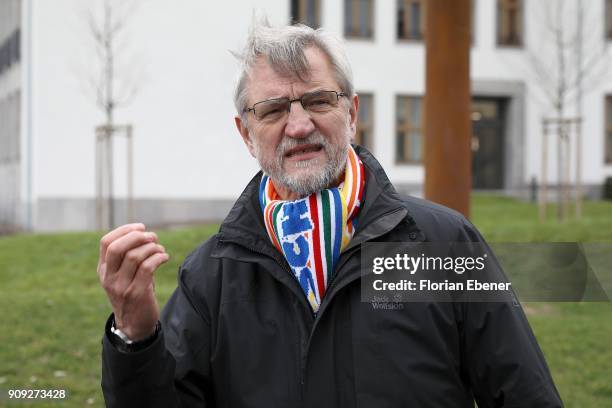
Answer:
(359, 18)
(609, 19)
(16, 45)
(410, 19)
(365, 121)
(409, 128)
(10, 50)
(608, 141)
(9, 128)
(510, 22)
(306, 12)
(5, 61)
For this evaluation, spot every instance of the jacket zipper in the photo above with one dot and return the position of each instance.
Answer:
(303, 353)
(352, 248)
(288, 270)
(348, 255)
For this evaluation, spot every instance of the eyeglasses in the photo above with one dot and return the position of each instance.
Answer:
(272, 110)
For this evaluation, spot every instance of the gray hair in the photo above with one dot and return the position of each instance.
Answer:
(284, 49)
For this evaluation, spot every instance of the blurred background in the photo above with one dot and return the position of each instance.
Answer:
(115, 111)
(119, 110)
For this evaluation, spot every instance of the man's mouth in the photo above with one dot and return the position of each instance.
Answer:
(303, 152)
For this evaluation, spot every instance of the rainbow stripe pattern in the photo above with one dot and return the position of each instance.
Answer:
(312, 232)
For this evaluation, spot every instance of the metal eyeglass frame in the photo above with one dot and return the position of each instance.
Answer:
(339, 94)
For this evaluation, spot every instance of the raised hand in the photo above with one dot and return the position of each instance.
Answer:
(129, 256)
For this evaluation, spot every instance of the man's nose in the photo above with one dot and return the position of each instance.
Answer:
(299, 123)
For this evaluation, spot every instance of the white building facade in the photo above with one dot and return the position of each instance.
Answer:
(189, 161)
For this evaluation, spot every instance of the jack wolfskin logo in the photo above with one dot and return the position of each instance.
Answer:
(385, 303)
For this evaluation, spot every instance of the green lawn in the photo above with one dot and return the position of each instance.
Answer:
(53, 309)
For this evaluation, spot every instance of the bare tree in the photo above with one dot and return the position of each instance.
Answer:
(579, 92)
(112, 84)
(113, 87)
(565, 62)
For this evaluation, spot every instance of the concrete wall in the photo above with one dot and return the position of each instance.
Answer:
(76, 214)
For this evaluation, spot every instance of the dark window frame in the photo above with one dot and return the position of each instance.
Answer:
(369, 126)
(353, 31)
(423, 25)
(10, 50)
(416, 35)
(408, 129)
(608, 20)
(299, 12)
(516, 38)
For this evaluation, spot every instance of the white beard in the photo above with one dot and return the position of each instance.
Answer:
(305, 182)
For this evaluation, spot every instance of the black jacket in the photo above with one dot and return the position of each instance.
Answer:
(239, 332)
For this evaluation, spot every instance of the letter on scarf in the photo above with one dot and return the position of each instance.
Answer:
(294, 223)
(306, 281)
(297, 252)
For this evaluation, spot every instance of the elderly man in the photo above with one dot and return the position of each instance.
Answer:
(267, 312)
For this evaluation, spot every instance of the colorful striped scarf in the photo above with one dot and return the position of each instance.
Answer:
(312, 232)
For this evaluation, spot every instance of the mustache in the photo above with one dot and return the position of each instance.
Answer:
(289, 143)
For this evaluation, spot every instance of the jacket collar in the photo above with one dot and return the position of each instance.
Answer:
(382, 211)
(382, 206)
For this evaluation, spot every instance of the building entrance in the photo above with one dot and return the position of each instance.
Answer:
(488, 115)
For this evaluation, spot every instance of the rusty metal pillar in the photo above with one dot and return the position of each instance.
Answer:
(448, 127)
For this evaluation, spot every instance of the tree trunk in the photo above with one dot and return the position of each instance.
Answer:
(579, 40)
(109, 110)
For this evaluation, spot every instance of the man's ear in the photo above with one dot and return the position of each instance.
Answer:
(244, 133)
(353, 115)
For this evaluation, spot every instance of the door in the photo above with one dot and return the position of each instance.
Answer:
(488, 143)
